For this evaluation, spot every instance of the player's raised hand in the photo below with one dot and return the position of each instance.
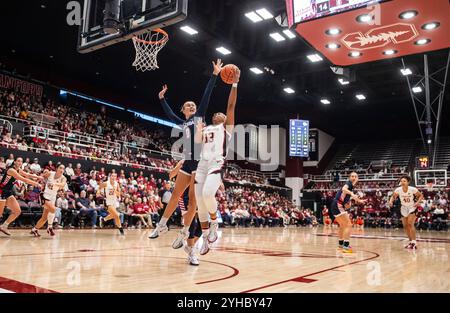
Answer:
(217, 66)
(237, 76)
(163, 92)
(200, 125)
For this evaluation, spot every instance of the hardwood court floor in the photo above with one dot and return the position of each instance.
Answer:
(243, 260)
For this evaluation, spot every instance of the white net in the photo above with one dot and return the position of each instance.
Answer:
(147, 46)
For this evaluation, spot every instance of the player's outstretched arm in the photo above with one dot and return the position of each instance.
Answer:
(204, 103)
(12, 172)
(33, 176)
(232, 99)
(166, 107)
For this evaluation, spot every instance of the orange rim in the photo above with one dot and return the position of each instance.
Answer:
(158, 30)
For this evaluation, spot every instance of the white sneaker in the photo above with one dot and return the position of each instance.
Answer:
(193, 260)
(159, 230)
(212, 237)
(182, 236)
(205, 246)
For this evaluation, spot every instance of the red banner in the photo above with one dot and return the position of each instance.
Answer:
(22, 86)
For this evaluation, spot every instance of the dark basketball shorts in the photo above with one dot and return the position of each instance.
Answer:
(336, 209)
(189, 167)
(5, 194)
(196, 229)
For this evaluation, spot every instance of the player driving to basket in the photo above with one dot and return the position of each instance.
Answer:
(185, 177)
(208, 179)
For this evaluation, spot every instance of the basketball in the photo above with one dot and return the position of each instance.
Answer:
(228, 72)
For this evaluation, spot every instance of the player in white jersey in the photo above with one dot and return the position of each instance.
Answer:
(111, 191)
(410, 198)
(214, 139)
(54, 181)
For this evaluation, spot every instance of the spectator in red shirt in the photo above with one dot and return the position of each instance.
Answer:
(140, 213)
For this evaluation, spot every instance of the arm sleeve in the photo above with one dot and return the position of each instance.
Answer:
(207, 96)
(172, 116)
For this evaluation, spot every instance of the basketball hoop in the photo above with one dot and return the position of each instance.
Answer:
(430, 186)
(147, 47)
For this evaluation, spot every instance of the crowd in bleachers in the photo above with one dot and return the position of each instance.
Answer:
(245, 207)
(143, 198)
(77, 119)
(70, 119)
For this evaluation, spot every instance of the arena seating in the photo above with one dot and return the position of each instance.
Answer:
(77, 133)
(244, 202)
(360, 156)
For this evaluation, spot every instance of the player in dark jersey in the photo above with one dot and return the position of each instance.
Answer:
(191, 155)
(338, 210)
(12, 174)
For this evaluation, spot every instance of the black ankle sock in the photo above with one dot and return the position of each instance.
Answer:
(346, 243)
(341, 243)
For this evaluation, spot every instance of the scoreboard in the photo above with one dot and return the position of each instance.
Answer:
(298, 138)
(305, 10)
(423, 162)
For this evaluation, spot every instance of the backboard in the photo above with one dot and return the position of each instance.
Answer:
(107, 22)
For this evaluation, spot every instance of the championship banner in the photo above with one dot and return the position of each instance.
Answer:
(9, 82)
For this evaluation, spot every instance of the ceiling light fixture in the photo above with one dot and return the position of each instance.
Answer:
(430, 26)
(408, 14)
(289, 34)
(252, 16)
(223, 50)
(189, 30)
(277, 37)
(256, 70)
(405, 71)
(314, 58)
(333, 31)
(264, 13)
(289, 90)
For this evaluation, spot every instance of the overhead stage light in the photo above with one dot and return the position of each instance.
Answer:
(252, 16)
(408, 14)
(256, 70)
(422, 42)
(364, 18)
(390, 52)
(277, 37)
(289, 90)
(289, 34)
(189, 30)
(223, 50)
(343, 81)
(333, 31)
(314, 58)
(430, 26)
(406, 71)
(264, 13)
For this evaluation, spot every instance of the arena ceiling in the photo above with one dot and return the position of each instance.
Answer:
(39, 42)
